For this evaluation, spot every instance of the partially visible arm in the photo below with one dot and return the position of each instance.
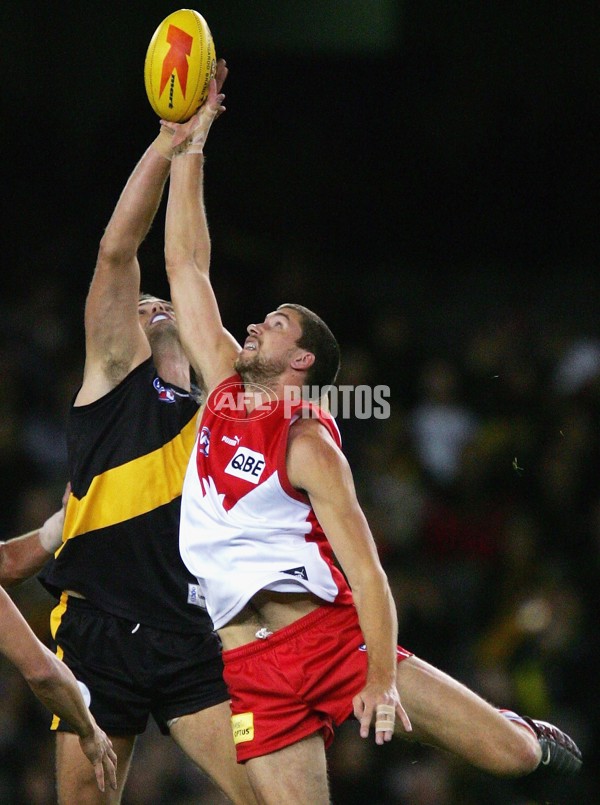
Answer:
(23, 556)
(115, 342)
(55, 686)
(318, 467)
(211, 350)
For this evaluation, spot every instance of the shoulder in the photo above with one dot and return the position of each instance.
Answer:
(100, 383)
(312, 422)
(311, 451)
(306, 432)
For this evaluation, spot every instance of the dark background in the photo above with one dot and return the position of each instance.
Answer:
(431, 149)
(436, 162)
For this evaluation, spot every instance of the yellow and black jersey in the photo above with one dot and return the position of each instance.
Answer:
(128, 453)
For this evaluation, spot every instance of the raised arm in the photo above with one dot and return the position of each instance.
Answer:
(56, 687)
(23, 556)
(316, 465)
(210, 348)
(115, 342)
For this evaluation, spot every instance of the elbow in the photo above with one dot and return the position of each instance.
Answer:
(374, 580)
(173, 259)
(116, 251)
(177, 263)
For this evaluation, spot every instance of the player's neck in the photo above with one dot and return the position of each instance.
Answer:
(262, 390)
(173, 367)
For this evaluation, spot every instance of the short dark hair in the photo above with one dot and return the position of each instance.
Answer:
(317, 338)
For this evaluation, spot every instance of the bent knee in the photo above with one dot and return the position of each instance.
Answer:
(517, 756)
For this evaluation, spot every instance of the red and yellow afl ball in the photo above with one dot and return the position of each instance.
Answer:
(180, 62)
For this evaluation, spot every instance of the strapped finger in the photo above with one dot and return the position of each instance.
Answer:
(385, 717)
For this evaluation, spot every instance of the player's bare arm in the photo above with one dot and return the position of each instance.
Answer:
(56, 687)
(23, 556)
(210, 347)
(318, 467)
(115, 341)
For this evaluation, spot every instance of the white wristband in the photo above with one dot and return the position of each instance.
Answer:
(50, 534)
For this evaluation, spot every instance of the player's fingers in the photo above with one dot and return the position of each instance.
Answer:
(403, 715)
(385, 718)
(214, 97)
(99, 769)
(365, 722)
(222, 69)
(110, 762)
(221, 73)
(112, 775)
(363, 714)
(220, 108)
(358, 706)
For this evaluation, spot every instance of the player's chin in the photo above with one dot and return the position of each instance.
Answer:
(245, 360)
(162, 330)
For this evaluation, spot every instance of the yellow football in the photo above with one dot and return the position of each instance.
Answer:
(180, 61)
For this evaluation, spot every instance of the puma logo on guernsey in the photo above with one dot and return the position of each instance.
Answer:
(233, 442)
(299, 572)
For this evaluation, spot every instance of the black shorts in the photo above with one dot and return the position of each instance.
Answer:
(133, 671)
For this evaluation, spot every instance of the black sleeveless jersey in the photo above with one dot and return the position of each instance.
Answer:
(128, 453)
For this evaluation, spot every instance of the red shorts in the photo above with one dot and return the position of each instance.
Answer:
(298, 681)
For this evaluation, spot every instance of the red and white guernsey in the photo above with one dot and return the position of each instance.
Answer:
(244, 528)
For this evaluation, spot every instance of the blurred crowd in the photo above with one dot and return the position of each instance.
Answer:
(481, 488)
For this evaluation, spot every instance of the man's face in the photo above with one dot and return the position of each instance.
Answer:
(270, 346)
(156, 316)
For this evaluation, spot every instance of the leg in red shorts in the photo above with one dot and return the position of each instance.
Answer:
(296, 682)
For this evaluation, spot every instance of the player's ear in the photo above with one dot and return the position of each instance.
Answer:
(303, 361)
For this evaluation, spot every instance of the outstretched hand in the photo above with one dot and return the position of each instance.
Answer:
(189, 137)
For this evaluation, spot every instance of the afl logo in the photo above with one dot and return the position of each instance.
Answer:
(233, 401)
(164, 394)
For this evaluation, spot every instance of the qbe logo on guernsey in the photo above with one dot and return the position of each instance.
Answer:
(246, 464)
